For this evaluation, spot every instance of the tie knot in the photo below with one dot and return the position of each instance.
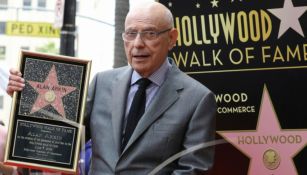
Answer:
(143, 82)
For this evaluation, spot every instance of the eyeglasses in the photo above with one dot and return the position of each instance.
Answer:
(146, 35)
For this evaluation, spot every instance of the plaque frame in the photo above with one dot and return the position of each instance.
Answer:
(48, 136)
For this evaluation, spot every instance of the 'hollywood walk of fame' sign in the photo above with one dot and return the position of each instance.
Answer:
(47, 115)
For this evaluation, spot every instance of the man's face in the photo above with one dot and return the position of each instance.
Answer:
(146, 56)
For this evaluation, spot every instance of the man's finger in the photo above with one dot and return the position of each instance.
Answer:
(16, 78)
(16, 82)
(15, 72)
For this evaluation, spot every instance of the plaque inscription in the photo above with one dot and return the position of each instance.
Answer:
(44, 142)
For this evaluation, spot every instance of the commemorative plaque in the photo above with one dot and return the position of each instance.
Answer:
(47, 115)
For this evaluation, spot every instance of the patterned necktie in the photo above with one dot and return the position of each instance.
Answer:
(136, 110)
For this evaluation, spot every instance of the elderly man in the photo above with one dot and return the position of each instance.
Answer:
(141, 114)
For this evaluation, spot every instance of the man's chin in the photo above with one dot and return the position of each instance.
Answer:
(139, 62)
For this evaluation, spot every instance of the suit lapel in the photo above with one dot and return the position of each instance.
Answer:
(119, 95)
(161, 102)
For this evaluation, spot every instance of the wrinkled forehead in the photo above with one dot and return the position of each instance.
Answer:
(143, 21)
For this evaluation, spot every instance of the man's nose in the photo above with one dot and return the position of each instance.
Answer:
(138, 41)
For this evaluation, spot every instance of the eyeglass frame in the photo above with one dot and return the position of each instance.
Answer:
(156, 34)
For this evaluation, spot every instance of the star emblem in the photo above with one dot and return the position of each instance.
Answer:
(50, 93)
(197, 5)
(170, 4)
(270, 148)
(214, 3)
(289, 16)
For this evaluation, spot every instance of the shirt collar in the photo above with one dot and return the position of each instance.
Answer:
(157, 77)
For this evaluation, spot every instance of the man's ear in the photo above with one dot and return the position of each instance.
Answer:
(173, 35)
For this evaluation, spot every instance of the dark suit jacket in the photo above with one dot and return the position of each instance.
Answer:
(181, 115)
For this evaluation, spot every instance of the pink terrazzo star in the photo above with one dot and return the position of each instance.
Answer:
(50, 93)
(269, 148)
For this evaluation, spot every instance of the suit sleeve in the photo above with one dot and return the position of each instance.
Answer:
(200, 132)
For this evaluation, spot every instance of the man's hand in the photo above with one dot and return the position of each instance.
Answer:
(16, 82)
